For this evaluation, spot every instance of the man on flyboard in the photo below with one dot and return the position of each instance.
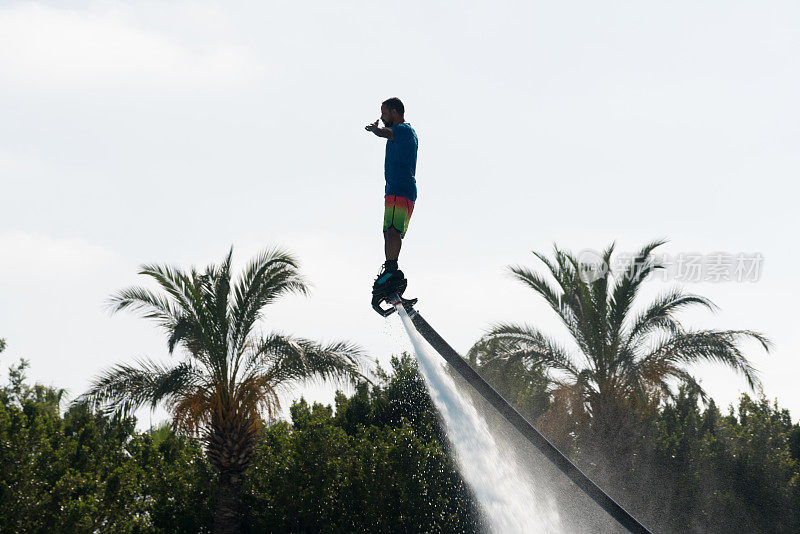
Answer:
(400, 194)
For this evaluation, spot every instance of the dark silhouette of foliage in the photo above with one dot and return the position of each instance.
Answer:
(377, 465)
(606, 387)
(378, 461)
(719, 474)
(86, 472)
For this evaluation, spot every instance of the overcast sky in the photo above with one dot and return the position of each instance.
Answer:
(167, 132)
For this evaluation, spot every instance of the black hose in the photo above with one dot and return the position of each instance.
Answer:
(526, 429)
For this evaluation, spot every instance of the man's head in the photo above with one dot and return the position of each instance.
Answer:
(392, 112)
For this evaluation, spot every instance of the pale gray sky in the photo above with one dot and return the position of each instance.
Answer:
(135, 132)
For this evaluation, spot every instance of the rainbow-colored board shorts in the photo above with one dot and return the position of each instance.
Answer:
(397, 213)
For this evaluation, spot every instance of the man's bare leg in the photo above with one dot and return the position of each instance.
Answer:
(392, 243)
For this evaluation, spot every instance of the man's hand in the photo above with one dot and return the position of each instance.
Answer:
(380, 132)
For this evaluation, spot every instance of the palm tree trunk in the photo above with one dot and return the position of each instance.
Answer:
(227, 517)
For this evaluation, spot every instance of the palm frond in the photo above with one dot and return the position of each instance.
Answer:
(690, 382)
(285, 361)
(219, 296)
(123, 389)
(660, 316)
(592, 301)
(598, 289)
(555, 271)
(538, 284)
(175, 282)
(271, 274)
(149, 304)
(183, 310)
(719, 346)
(569, 281)
(181, 330)
(553, 296)
(530, 345)
(627, 286)
(578, 297)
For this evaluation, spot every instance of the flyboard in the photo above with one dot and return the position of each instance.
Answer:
(397, 302)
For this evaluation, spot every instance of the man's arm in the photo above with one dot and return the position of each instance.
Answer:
(380, 132)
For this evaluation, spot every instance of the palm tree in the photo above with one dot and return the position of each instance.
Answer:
(621, 363)
(229, 378)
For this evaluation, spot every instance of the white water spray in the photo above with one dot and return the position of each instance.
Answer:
(510, 503)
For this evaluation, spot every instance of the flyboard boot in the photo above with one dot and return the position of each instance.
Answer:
(389, 287)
